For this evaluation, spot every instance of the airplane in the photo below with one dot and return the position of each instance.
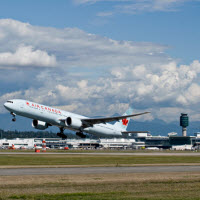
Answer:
(45, 116)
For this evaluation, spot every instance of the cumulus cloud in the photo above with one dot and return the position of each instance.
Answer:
(26, 56)
(165, 91)
(94, 75)
(190, 96)
(141, 86)
(24, 44)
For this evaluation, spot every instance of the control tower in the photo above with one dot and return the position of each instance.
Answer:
(184, 122)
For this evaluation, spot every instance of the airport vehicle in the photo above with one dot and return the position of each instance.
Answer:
(45, 116)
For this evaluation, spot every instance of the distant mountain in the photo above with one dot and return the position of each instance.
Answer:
(156, 127)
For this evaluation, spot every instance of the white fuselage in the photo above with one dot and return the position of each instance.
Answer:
(54, 117)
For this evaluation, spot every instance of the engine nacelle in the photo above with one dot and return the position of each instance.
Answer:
(39, 124)
(73, 122)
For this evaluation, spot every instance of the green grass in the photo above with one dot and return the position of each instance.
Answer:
(41, 159)
(156, 186)
(97, 196)
(73, 196)
(149, 190)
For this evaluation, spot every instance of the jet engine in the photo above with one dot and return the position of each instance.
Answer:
(73, 122)
(39, 124)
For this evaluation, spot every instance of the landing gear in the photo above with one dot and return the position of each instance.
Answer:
(61, 134)
(13, 114)
(80, 134)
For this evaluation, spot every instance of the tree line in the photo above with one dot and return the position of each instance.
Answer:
(31, 134)
(8, 134)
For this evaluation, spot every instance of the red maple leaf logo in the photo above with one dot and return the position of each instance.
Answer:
(124, 122)
(27, 103)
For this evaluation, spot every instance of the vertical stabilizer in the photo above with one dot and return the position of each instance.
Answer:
(123, 124)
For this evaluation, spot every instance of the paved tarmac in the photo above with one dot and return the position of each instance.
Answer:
(97, 170)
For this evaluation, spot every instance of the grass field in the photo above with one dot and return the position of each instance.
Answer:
(106, 160)
(142, 186)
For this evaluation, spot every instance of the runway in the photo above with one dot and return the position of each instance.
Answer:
(97, 170)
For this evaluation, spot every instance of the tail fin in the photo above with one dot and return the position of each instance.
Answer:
(123, 124)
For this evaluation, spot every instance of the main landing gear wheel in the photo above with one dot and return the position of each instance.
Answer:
(80, 134)
(61, 134)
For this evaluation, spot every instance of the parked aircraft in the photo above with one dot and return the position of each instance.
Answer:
(45, 116)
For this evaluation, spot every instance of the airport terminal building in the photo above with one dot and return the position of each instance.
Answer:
(56, 143)
(138, 141)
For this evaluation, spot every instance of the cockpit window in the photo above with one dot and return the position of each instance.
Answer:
(9, 101)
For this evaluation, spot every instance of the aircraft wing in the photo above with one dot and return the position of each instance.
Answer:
(91, 121)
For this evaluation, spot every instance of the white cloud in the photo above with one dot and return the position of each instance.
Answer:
(24, 44)
(135, 6)
(190, 96)
(26, 56)
(82, 84)
(129, 73)
(169, 114)
(160, 90)
(149, 6)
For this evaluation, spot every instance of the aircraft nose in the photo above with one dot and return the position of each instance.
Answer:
(5, 105)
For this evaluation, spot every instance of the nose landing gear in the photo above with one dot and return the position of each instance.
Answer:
(13, 114)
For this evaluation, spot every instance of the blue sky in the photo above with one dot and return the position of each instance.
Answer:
(73, 53)
(177, 27)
